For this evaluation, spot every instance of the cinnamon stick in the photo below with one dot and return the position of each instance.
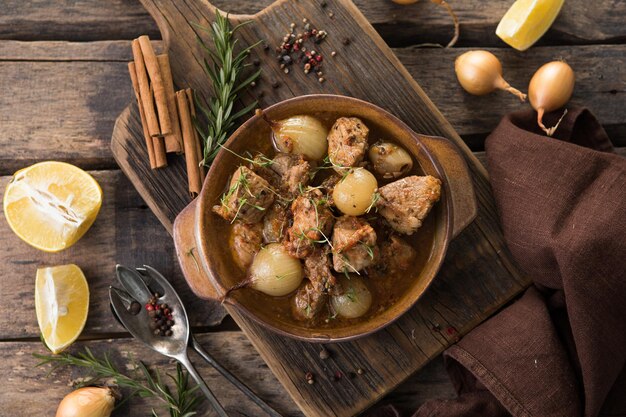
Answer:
(156, 81)
(192, 107)
(173, 141)
(144, 91)
(146, 134)
(191, 154)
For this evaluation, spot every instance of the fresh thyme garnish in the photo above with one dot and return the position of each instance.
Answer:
(224, 70)
(181, 402)
(375, 198)
(351, 294)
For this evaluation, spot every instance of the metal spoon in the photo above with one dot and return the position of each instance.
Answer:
(138, 286)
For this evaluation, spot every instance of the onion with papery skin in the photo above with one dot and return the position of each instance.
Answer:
(354, 194)
(355, 298)
(274, 272)
(390, 160)
(480, 73)
(550, 89)
(88, 401)
(300, 135)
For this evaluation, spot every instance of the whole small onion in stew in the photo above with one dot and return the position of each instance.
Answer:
(301, 135)
(355, 298)
(275, 272)
(390, 160)
(354, 195)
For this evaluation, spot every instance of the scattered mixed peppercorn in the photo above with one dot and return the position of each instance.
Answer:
(299, 48)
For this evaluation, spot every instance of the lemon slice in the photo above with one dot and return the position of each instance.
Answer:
(50, 205)
(527, 21)
(61, 303)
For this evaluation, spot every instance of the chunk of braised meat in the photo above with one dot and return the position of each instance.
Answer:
(261, 165)
(328, 185)
(308, 302)
(312, 296)
(354, 244)
(275, 223)
(317, 270)
(347, 142)
(406, 202)
(245, 241)
(295, 173)
(312, 223)
(247, 198)
(396, 255)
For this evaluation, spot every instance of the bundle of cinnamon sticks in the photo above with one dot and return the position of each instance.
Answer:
(166, 115)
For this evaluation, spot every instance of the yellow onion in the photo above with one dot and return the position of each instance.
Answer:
(275, 272)
(550, 89)
(88, 401)
(354, 195)
(480, 73)
(300, 135)
(355, 299)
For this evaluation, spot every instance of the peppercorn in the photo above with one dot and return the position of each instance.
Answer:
(135, 308)
(346, 41)
(324, 354)
(360, 371)
(275, 84)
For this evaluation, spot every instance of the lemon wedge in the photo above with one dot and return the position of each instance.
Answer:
(50, 205)
(61, 304)
(527, 21)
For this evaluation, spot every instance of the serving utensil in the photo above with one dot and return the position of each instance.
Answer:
(140, 286)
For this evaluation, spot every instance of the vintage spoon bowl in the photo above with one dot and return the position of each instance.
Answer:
(174, 346)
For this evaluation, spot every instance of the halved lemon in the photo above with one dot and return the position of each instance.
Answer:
(62, 304)
(50, 205)
(527, 21)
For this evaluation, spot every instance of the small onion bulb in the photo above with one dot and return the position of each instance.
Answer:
(390, 160)
(550, 89)
(355, 193)
(354, 300)
(275, 272)
(88, 401)
(480, 73)
(301, 135)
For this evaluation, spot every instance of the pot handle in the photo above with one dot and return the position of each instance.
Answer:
(458, 178)
(187, 253)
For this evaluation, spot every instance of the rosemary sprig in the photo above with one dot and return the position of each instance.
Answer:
(224, 68)
(182, 402)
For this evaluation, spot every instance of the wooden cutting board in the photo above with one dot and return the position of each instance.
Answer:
(478, 276)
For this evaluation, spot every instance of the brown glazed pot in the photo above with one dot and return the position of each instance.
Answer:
(201, 237)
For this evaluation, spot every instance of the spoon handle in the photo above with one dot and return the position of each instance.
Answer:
(184, 360)
(233, 379)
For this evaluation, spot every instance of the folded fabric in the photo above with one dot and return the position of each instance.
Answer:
(561, 349)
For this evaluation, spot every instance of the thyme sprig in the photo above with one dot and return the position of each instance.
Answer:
(182, 401)
(224, 68)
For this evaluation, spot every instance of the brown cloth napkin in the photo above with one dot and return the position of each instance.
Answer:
(561, 349)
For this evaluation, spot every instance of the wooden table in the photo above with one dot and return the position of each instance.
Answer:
(64, 80)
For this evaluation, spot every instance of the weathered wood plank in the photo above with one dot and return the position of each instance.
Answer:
(65, 98)
(125, 232)
(580, 21)
(231, 349)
